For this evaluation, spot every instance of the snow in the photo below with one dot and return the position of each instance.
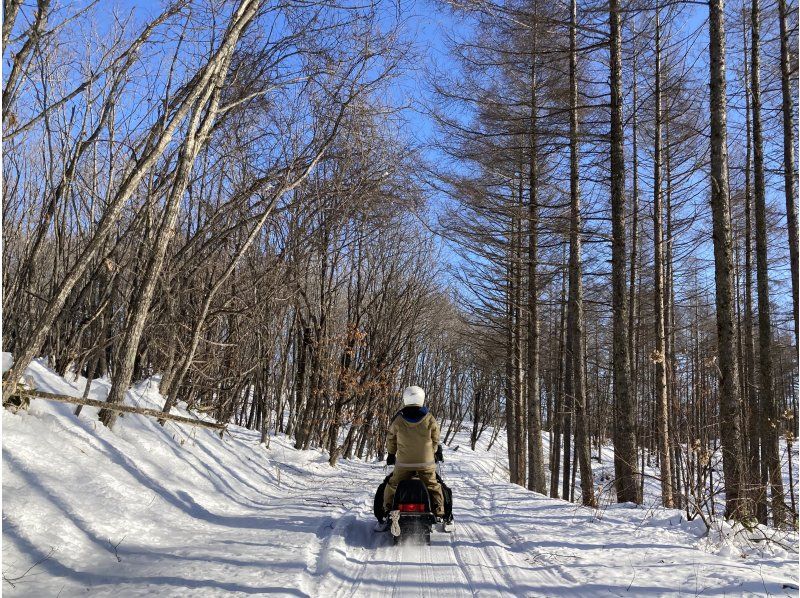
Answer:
(146, 510)
(604, 472)
(8, 361)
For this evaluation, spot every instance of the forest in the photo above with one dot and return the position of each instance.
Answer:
(577, 222)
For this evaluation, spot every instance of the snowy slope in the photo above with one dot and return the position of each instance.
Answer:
(146, 510)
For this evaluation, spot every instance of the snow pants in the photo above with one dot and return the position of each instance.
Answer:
(428, 477)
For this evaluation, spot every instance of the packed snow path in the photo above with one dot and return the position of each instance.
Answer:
(145, 510)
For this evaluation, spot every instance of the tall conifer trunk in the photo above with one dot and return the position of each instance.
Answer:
(510, 386)
(752, 475)
(625, 465)
(769, 408)
(790, 185)
(536, 477)
(659, 356)
(575, 333)
(729, 421)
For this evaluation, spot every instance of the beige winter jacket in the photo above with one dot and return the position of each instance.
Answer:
(413, 443)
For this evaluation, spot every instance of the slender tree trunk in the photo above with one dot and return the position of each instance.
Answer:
(752, 475)
(769, 408)
(555, 457)
(536, 476)
(790, 184)
(519, 382)
(281, 388)
(200, 123)
(632, 311)
(510, 411)
(659, 356)
(729, 421)
(625, 465)
(669, 329)
(575, 334)
(567, 390)
(476, 410)
(300, 408)
(89, 378)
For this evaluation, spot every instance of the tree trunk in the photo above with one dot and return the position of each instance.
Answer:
(575, 333)
(299, 407)
(476, 406)
(659, 356)
(536, 476)
(752, 475)
(519, 381)
(558, 408)
(200, 123)
(566, 409)
(511, 417)
(790, 186)
(632, 308)
(769, 408)
(729, 421)
(673, 398)
(625, 465)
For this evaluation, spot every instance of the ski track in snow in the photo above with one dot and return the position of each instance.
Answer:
(146, 510)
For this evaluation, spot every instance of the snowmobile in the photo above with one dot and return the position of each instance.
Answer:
(411, 515)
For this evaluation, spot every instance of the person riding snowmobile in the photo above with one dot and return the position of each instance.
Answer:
(413, 446)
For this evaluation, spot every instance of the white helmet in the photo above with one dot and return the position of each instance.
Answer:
(413, 395)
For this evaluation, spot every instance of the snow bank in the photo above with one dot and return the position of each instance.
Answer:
(8, 361)
(143, 509)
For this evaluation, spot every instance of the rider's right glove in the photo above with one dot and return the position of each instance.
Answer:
(439, 457)
(391, 459)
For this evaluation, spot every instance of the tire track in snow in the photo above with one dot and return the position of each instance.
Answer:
(477, 564)
(354, 560)
(478, 559)
(506, 557)
(337, 572)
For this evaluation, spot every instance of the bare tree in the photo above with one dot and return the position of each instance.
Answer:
(575, 380)
(729, 424)
(768, 404)
(789, 167)
(659, 356)
(625, 463)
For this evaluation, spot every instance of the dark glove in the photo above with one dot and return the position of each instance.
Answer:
(439, 457)
(391, 459)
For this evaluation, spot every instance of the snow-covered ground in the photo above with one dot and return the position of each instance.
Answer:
(604, 474)
(146, 510)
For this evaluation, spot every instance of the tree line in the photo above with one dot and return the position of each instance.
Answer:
(609, 184)
(590, 248)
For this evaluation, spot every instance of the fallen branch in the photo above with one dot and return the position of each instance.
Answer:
(10, 580)
(115, 547)
(156, 413)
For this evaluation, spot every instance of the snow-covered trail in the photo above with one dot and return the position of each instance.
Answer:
(474, 560)
(146, 510)
(510, 542)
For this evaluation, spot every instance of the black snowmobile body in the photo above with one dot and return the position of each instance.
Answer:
(412, 501)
